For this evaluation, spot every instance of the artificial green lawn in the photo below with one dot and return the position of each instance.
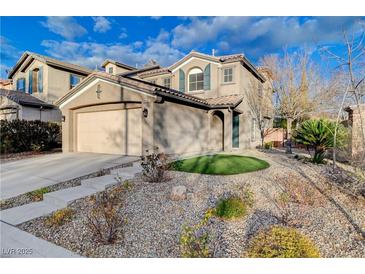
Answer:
(220, 164)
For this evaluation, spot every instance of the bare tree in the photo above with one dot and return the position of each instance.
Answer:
(293, 76)
(259, 99)
(351, 63)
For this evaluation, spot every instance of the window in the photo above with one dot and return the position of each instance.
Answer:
(253, 129)
(153, 82)
(110, 70)
(167, 82)
(74, 80)
(235, 130)
(227, 75)
(33, 83)
(20, 84)
(196, 79)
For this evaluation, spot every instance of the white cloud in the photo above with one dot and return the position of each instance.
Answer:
(101, 24)
(91, 54)
(8, 52)
(123, 34)
(257, 35)
(65, 26)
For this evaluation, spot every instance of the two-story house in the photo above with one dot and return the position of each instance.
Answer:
(44, 78)
(199, 104)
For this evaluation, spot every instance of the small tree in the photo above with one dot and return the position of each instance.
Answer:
(318, 135)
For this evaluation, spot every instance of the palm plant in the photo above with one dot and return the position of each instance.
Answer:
(318, 135)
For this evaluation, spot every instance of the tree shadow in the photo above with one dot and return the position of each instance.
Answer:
(324, 192)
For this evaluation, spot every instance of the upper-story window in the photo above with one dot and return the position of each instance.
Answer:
(228, 75)
(196, 79)
(74, 80)
(153, 82)
(167, 82)
(20, 84)
(110, 70)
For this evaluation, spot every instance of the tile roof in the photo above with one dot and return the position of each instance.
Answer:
(119, 64)
(24, 99)
(153, 89)
(49, 61)
(232, 100)
(153, 72)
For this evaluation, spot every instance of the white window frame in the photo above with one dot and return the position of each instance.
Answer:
(224, 75)
(196, 71)
(164, 83)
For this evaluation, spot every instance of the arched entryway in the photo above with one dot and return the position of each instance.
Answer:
(217, 131)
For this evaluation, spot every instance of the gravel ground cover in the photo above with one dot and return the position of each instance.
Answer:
(154, 222)
(26, 198)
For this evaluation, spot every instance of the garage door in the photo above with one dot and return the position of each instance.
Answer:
(111, 132)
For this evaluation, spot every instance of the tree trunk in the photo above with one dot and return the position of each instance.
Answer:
(289, 122)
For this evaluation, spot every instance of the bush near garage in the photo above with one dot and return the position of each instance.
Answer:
(21, 135)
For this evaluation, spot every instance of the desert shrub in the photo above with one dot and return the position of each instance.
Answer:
(230, 208)
(154, 166)
(60, 217)
(104, 219)
(37, 195)
(194, 240)
(295, 199)
(282, 242)
(21, 135)
(268, 145)
(318, 135)
(246, 194)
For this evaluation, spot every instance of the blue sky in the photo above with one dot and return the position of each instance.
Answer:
(134, 40)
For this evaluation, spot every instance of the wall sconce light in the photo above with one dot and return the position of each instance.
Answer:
(145, 113)
(98, 91)
(63, 118)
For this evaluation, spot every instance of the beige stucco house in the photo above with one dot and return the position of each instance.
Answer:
(23, 106)
(196, 105)
(44, 78)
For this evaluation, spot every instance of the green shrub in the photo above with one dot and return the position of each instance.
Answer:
(60, 217)
(282, 242)
(194, 241)
(230, 208)
(37, 195)
(21, 135)
(268, 145)
(318, 135)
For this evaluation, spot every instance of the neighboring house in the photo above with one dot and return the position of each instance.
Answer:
(20, 105)
(196, 105)
(6, 84)
(357, 145)
(45, 78)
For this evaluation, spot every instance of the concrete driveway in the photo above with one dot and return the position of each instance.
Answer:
(26, 175)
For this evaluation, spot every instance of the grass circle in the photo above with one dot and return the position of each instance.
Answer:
(230, 208)
(282, 242)
(220, 164)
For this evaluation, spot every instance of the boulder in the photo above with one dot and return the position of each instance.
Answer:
(178, 193)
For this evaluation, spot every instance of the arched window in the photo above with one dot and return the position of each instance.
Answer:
(196, 79)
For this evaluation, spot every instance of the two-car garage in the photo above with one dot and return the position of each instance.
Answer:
(109, 131)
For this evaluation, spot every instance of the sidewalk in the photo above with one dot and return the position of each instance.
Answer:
(16, 243)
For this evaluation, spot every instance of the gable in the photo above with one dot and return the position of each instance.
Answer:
(110, 93)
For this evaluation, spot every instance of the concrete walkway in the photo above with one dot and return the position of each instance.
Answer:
(26, 175)
(15, 243)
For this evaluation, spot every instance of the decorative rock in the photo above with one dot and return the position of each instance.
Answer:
(178, 193)
(190, 196)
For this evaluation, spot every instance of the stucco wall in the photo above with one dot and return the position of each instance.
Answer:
(87, 100)
(180, 129)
